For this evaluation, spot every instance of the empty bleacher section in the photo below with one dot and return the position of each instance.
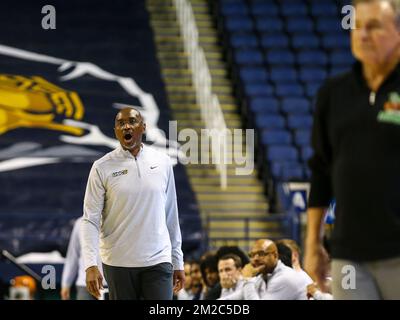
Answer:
(279, 54)
(239, 214)
(57, 115)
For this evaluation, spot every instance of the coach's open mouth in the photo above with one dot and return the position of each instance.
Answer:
(128, 137)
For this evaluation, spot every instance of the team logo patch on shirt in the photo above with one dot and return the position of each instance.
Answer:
(120, 173)
(391, 110)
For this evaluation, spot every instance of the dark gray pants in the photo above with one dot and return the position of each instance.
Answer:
(148, 283)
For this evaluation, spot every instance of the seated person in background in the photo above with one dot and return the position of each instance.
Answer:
(230, 276)
(23, 288)
(75, 269)
(209, 272)
(285, 254)
(196, 280)
(186, 292)
(224, 250)
(267, 278)
(296, 258)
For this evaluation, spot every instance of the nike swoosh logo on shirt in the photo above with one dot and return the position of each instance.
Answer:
(153, 167)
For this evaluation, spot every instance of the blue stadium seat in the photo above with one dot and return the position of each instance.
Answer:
(264, 121)
(283, 75)
(258, 89)
(302, 137)
(238, 23)
(312, 57)
(276, 137)
(323, 8)
(299, 25)
(287, 170)
(305, 41)
(313, 74)
(274, 41)
(280, 57)
(253, 74)
(336, 41)
(243, 40)
(269, 24)
(266, 105)
(278, 166)
(282, 153)
(341, 58)
(296, 122)
(306, 153)
(248, 57)
(293, 9)
(295, 105)
(293, 174)
(234, 8)
(289, 90)
(328, 25)
(312, 89)
(264, 8)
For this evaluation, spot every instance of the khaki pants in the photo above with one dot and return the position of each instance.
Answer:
(367, 280)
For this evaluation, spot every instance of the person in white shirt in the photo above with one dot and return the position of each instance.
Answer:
(130, 201)
(267, 278)
(296, 254)
(74, 268)
(230, 275)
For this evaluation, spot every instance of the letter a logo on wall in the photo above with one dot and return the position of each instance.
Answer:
(298, 201)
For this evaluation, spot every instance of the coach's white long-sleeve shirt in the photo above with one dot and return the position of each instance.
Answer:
(131, 202)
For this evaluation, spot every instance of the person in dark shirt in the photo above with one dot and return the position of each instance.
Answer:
(356, 160)
(196, 280)
(209, 272)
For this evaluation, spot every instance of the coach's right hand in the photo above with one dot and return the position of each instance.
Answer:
(316, 264)
(316, 259)
(94, 281)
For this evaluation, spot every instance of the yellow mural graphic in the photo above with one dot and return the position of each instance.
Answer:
(33, 102)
